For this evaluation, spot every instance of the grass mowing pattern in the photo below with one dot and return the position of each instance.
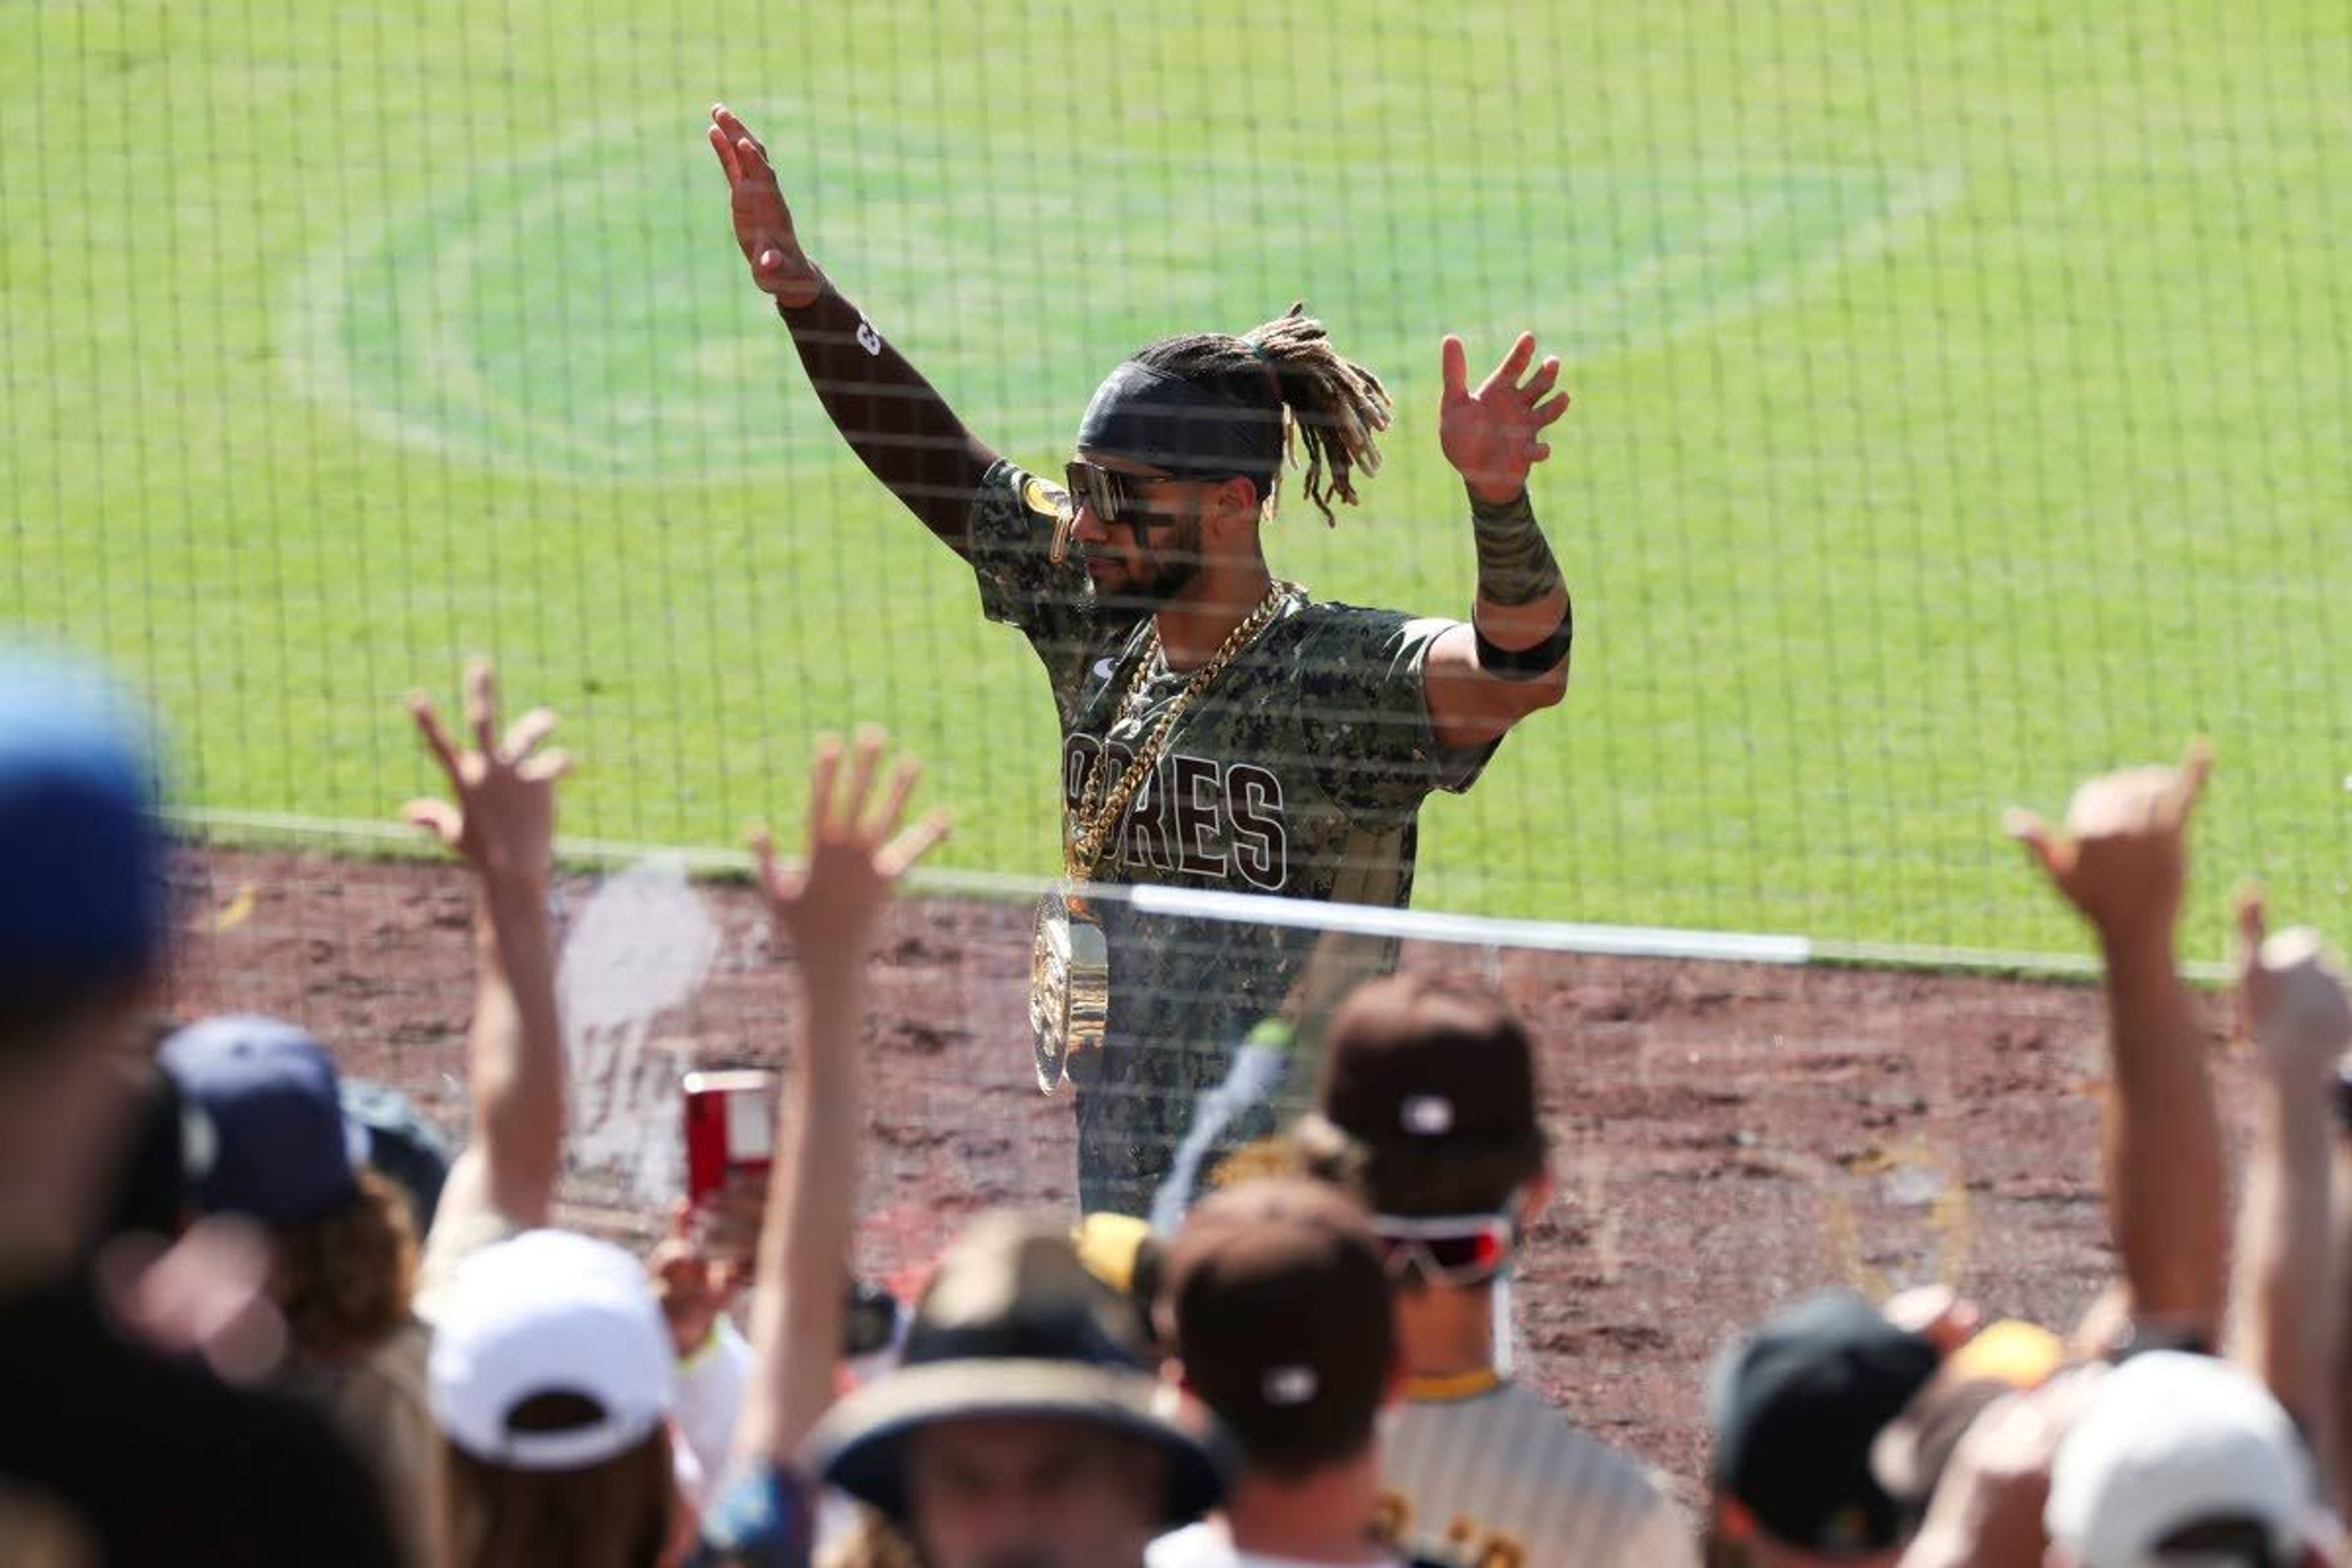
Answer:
(1963, 399)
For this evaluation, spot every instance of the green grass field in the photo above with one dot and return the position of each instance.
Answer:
(1963, 398)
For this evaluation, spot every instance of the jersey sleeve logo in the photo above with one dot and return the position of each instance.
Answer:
(1046, 500)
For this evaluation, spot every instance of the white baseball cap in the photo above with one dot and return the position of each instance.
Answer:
(550, 1311)
(2170, 1440)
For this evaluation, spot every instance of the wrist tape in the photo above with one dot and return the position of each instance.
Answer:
(1515, 562)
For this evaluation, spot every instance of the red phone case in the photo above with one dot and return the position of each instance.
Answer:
(721, 1109)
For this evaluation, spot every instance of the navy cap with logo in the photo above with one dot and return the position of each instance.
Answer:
(1794, 1409)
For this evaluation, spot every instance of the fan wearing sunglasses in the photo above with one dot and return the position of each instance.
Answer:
(1426, 1110)
(1221, 728)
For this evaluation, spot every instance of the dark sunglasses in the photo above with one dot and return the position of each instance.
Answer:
(1453, 1249)
(1113, 495)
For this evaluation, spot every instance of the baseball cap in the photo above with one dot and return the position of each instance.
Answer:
(546, 1312)
(1794, 1409)
(1278, 1303)
(1416, 1061)
(2009, 1350)
(2170, 1440)
(1115, 1248)
(83, 896)
(1122, 1252)
(1012, 1324)
(282, 1150)
(401, 1143)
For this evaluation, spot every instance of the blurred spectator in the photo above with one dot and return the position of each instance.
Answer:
(1911, 1453)
(1277, 1305)
(2122, 861)
(550, 1366)
(1988, 1502)
(402, 1144)
(2172, 1460)
(694, 1280)
(1024, 1418)
(283, 1153)
(2283, 1312)
(552, 1379)
(1427, 1107)
(153, 1193)
(1794, 1409)
(146, 1453)
(2183, 1458)
(1122, 1252)
(1023, 1424)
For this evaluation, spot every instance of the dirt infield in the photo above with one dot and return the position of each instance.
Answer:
(1729, 1135)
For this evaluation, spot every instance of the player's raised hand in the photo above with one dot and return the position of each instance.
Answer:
(1494, 436)
(764, 224)
(2122, 858)
(830, 904)
(502, 820)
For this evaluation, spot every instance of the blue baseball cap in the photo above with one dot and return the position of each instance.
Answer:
(283, 1151)
(83, 892)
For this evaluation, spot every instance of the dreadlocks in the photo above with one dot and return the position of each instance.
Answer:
(1332, 407)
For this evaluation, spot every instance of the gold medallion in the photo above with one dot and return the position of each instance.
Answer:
(1069, 985)
(1069, 961)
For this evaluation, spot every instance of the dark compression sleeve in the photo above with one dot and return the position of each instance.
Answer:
(900, 427)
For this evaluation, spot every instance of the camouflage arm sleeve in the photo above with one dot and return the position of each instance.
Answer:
(901, 429)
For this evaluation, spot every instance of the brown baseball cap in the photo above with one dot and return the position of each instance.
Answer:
(1278, 1306)
(1413, 1059)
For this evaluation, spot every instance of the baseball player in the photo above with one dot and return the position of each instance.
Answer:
(1221, 728)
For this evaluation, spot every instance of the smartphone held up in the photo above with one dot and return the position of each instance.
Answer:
(730, 1129)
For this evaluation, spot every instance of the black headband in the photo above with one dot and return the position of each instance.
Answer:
(1148, 417)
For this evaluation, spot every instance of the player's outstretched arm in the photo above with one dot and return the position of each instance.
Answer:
(1511, 659)
(2122, 861)
(900, 427)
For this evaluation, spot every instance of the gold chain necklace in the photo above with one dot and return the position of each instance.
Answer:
(1089, 828)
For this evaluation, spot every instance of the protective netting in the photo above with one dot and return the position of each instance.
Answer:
(1727, 1133)
(1961, 398)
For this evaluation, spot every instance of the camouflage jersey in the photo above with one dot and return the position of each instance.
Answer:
(1298, 773)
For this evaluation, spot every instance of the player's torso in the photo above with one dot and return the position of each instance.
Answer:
(1236, 800)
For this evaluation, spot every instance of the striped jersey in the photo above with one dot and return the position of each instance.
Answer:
(1208, 1545)
(1497, 1478)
